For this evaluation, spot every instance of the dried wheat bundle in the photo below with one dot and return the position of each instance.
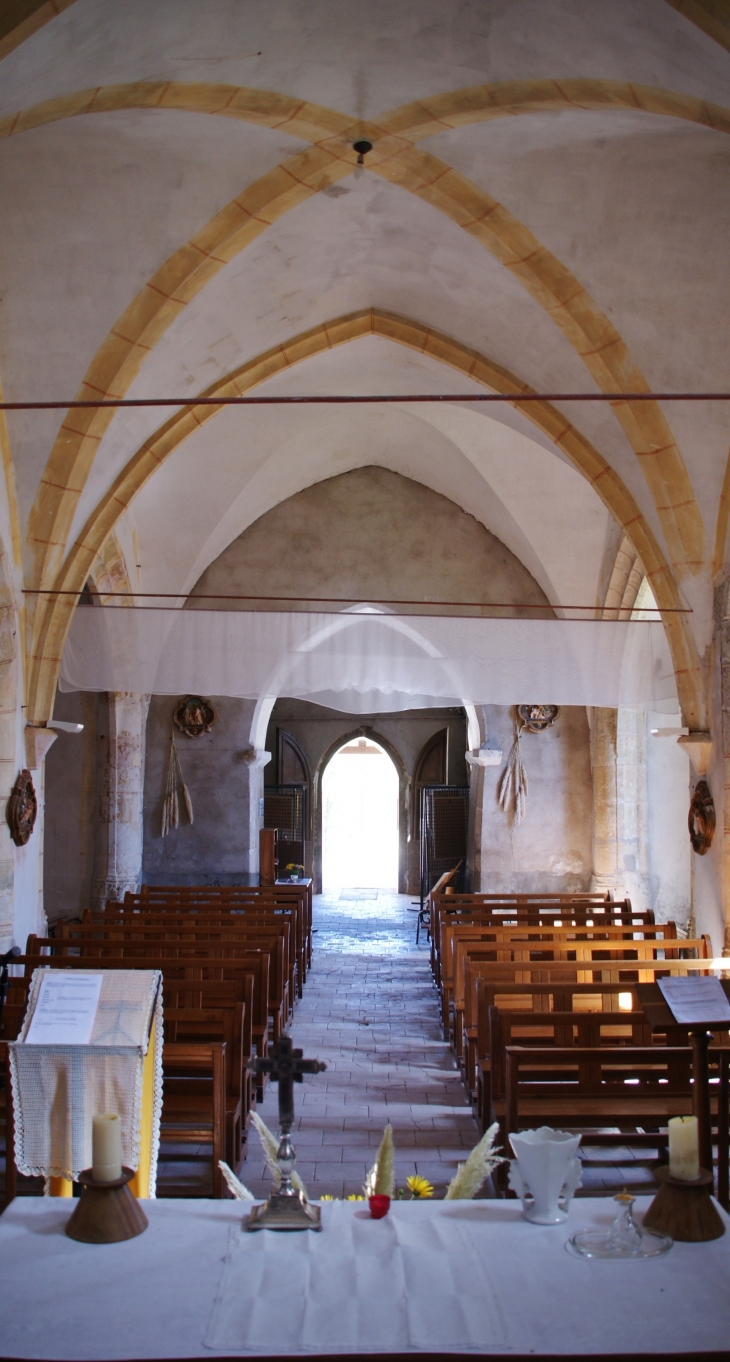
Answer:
(380, 1181)
(237, 1188)
(469, 1176)
(270, 1146)
(175, 782)
(514, 782)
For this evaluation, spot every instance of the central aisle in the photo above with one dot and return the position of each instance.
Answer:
(370, 1012)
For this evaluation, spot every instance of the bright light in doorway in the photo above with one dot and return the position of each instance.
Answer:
(360, 819)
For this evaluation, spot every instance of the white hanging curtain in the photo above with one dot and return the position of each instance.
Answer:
(370, 663)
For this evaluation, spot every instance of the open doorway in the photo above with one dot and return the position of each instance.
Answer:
(360, 791)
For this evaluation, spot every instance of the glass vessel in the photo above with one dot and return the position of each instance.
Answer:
(624, 1239)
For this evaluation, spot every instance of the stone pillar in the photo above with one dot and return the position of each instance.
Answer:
(605, 830)
(724, 765)
(120, 794)
(8, 764)
(632, 807)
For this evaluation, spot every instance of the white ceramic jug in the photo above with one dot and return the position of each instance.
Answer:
(545, 1173)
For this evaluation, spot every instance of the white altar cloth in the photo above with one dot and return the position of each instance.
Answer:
(437, 1277)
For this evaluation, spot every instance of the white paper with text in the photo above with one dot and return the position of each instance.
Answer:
(696, 1000)
(66, 1009)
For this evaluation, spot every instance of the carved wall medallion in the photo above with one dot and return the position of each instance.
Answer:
(701, 819)
(536, 718)
(22, 809)
(194, 716)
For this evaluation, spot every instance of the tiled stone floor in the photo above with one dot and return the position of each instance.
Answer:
(370, 1012)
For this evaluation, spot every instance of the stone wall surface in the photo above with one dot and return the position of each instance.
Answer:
(72, 814)
(551, 849)
(225, 782)
(368, 534)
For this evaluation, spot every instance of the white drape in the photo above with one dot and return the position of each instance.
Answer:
(369, 663)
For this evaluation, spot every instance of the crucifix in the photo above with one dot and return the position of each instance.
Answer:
(285, 1208)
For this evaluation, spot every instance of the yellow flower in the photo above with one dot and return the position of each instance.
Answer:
(419, 1187)
(354, 1197)
(326, 1197)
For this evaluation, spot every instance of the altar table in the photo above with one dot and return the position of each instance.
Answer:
(433, 1277)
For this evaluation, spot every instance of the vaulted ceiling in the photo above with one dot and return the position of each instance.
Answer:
(545, 205)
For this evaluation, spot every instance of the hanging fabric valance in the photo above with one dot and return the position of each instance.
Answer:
(369, 663)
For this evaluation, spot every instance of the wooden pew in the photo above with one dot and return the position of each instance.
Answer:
(263, 902)
(229, 897)
(278, 919)
(272, 934)
(588, 1089)
(209, 955)
(462, 941)
(584, 959)
(191, 971)
(194, 1099)
(538, 997)
(522, 910)
(216, 1010)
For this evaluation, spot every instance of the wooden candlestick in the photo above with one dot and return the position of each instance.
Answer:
(684, 1209)
(106, 1212)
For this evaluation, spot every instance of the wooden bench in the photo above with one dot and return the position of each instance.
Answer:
(624, 961)
(250, 971)
(522, 910)
(180, 917)
(198, 960)
(193, 938)
(576, 1088)
(194, 1100)
(462, 943)
(296, 896)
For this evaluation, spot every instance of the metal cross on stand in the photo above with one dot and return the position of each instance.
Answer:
(285, 1209)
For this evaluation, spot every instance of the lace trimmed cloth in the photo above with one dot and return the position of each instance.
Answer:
(58, 1089)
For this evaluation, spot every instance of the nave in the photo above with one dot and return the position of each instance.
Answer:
(370, 1011)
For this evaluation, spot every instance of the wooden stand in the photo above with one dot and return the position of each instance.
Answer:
(106, 1212)
(267, 855)
(684, 1210)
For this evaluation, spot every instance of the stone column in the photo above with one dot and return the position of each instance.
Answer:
(632, 807)
(120, 794)
(605, 830)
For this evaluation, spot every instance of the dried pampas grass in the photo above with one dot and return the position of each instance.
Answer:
(270, 1146)
(237, 1188)
(380, 1181)
(514, 781)
(175, 783)
(470, 1176)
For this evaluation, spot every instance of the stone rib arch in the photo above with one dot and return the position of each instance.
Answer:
(394, 156)
(55, 611)
(414, 121)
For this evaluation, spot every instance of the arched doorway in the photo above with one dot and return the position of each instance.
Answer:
(360, 817)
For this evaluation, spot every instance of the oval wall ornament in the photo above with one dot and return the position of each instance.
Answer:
(536, 718)
(194, 716)
(701, 819)
(22, 809)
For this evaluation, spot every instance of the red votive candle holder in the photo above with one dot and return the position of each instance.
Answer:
(379, 1206)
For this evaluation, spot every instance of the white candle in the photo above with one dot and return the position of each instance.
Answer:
(106, 1148)
(684, 1149)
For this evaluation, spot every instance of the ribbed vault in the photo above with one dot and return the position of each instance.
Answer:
(55, 612)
